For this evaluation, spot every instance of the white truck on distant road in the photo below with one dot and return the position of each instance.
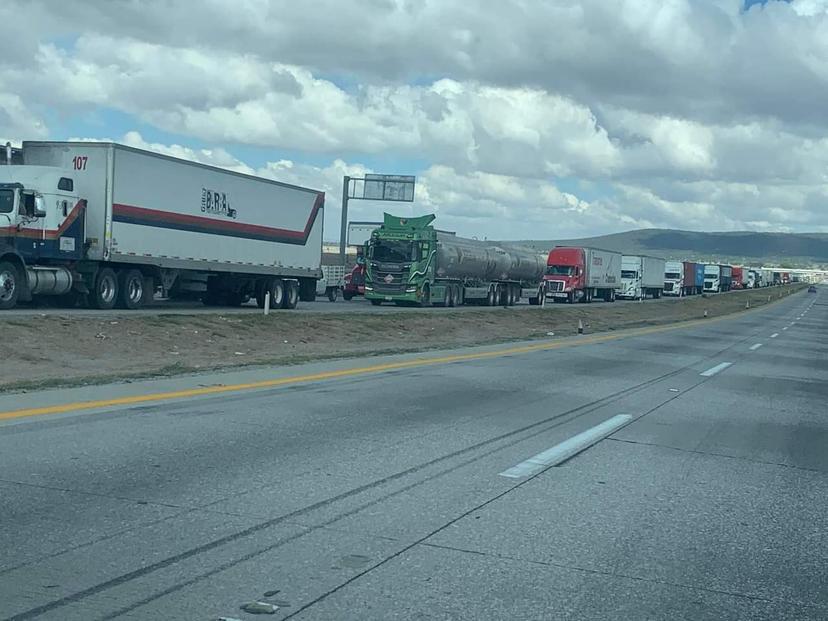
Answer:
(110, 224)
(641, 276)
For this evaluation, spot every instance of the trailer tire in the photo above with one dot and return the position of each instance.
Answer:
(511, 294)
(131, 291)
(104, 294)
(376, 302)
(277, 293)
(9, 285)
(291, 296)
(491, 298)
(333, 294)
(461, 295)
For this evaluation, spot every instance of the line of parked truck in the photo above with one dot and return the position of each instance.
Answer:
(407, 261)
(110, 225)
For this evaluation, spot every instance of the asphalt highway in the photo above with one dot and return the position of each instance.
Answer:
(458, 485)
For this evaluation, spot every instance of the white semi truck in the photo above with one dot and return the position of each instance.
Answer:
(641, 276)
(110, 224)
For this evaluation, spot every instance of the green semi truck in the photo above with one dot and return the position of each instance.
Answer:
(409, 262)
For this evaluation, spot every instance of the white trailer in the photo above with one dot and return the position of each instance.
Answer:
(641, 276)
(112, 223)
(768, 278)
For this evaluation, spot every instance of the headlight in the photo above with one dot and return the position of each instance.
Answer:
(367, 288)
(411, 290)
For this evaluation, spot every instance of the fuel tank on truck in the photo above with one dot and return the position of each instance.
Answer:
(466, 259)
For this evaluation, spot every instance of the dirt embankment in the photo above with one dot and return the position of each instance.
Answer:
(63, 350)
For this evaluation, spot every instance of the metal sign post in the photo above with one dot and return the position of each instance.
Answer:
(396, 188)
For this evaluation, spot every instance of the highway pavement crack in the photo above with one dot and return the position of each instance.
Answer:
(724, 455)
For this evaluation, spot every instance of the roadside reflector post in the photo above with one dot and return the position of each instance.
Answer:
(580, 326)
(705, 312)
(747, 304)
(769, 298)
(267, 303)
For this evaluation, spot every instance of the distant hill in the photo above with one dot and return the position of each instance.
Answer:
(784, 249)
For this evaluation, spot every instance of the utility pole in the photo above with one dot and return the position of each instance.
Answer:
(343, 232)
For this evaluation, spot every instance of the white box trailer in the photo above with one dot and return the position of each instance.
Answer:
(117, 222)
(641, 276)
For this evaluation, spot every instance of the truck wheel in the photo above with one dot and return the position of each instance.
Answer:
(511, 295)
(425, 300)
(491, 298)
(541, 296)
(277, 293)
(131, 292)
(333, 294)
(9, 285)
(570, 297)
(291, 296)
(347, 296)
(376, 302)
(461, 295)
(457, 292)
(105, 292)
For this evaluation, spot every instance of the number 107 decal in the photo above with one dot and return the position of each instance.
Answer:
(79, 162)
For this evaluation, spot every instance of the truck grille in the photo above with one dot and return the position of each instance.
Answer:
(554, 285)
(390, 282)
(668, 286)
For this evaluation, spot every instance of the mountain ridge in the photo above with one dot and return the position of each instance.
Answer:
(784, 249)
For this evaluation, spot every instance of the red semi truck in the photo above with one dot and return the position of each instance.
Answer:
(355, 281)
(576, 274)
(740, 278)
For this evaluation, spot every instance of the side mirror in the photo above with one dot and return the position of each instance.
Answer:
(40, 207)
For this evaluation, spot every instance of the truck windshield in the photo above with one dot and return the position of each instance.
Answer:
(629, 274)
(392, 250)
(6, 201)
(672, 275)
(560, 270)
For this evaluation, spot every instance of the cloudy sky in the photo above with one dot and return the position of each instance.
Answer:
(520, 118)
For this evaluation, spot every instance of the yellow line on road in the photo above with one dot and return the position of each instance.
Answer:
(326, 375)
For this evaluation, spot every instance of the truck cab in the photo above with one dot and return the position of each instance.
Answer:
(565, 273)
(398, 259)
(631, 278)
(712, 278)
(673, 278)
(355, 279)
(41, 226)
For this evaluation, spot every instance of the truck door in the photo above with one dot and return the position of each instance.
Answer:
(51, 226)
